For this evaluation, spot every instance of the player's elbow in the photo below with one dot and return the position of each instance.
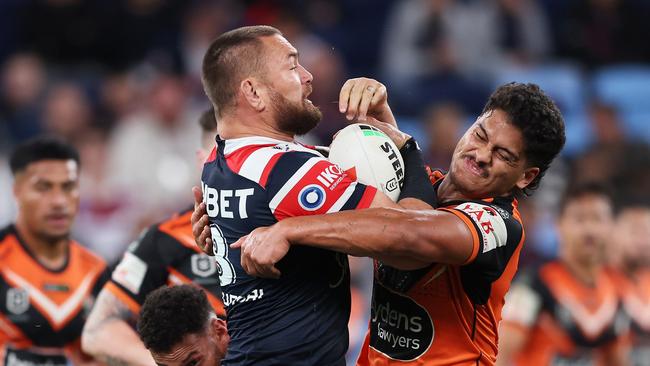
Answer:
(89, 343)
(91, 339)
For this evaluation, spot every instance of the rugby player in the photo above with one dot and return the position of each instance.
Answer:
(568, 310)
(47, 280)
(164, 254)
(632, 275)
(441, 275)
(179, 327)
(258, 175)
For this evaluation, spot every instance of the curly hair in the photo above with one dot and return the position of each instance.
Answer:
(538, 119)
(170, 313)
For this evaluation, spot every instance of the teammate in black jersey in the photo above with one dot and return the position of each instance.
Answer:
(164, 254)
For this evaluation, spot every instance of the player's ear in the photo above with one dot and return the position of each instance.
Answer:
(527, 176)
(252, 90)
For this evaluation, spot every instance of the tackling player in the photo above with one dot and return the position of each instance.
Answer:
(47, 281)
(568, 310)
(259, 175)
(179, 327)
(632, 275)
(463, 254)
(165, 254)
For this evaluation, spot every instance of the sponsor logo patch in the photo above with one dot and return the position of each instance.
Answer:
(399, 327)
(312, 197)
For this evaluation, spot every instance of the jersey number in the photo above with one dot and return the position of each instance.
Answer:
(227, 274)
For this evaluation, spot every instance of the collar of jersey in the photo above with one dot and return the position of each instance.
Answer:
(232, 145)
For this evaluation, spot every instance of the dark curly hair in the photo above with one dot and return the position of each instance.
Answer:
(170, 313)
(538, 119)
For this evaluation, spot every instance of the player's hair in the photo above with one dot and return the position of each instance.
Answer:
(538, 119)
(38, 149)
(231, 57)
(170, 313)
(208, 121)
(581, 190)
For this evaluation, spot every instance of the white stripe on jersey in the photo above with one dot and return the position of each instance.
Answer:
(255, 163)
(336, 207)
(295, 178)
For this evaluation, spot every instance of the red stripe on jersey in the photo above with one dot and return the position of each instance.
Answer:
(291, 204)
(368, 196)
(267, 169)
(236, 159)
(212, 156)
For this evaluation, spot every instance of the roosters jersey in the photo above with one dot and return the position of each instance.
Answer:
(636, 304)
(165, 254)
(301, 318)
(450, 315)
(567, 321)
(42, 311)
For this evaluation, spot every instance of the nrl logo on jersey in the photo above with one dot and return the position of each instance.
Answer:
(17, 300)
(203, 265)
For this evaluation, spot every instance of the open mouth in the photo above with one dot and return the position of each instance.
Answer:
(471, 165)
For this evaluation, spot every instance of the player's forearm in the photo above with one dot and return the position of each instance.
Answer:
(405, 238)
(116, 343)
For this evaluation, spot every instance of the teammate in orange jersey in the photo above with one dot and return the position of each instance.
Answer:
(568, 311)
(47, 281)
(441, 274)
(632, 275)
(164, 254)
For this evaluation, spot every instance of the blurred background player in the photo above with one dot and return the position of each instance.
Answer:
(179, 327)
(48, 282)
(631, 260)
(165, 254)
(568, 311)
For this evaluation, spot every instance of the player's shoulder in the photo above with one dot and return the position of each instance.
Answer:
(255, 158)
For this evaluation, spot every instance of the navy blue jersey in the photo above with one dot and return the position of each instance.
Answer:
(301, 318)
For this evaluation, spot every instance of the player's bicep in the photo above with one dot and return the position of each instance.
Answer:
(445, 238)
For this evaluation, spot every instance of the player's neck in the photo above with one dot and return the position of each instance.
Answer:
(232, 127)
(585, 272)
(51, 254)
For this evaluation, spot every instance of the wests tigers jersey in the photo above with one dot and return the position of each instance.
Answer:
(300, 318)
(165, 254)
(635, 295)
(42, 311)
(565, 320)
(451, 314)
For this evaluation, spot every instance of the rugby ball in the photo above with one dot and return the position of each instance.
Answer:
(366, 152)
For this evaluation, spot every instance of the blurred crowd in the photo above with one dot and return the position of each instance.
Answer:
(121, 80)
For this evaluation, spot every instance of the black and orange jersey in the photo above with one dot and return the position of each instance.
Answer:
(165, 254)
(635, 295)
(42, 311)
(566, 321)
(451, 314)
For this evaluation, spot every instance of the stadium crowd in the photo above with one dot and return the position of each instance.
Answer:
(121, 81)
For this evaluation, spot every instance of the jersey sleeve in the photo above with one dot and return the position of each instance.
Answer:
(306, 184)
(495, 232)
(140, 271)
